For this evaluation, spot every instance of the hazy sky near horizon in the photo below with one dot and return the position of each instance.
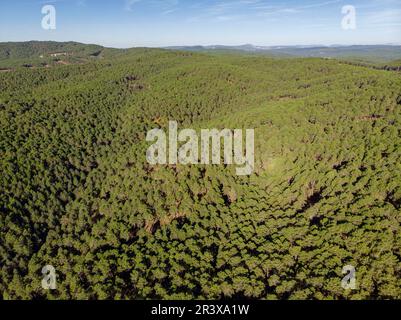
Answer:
(129, 23)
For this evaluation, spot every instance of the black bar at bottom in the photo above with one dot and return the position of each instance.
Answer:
(241, 309)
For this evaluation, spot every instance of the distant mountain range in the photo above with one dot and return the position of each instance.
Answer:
(369, 52)
(46, 53)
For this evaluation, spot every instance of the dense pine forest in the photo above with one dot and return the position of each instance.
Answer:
(77, 192)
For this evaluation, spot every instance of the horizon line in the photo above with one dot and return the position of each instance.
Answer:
(313, 45)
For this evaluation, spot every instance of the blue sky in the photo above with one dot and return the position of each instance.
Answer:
(129, 23)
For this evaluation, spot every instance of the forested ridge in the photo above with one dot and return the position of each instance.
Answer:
(77, 192)
(39, 54)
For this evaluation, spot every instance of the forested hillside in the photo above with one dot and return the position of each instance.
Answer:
(35, 54)
(77, 192)
(15, 50)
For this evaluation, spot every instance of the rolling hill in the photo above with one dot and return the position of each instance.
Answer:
(77, 192)
(367, 53)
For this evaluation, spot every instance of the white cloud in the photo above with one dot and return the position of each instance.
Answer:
(129, 4)
(383, 18)
(168, 11)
